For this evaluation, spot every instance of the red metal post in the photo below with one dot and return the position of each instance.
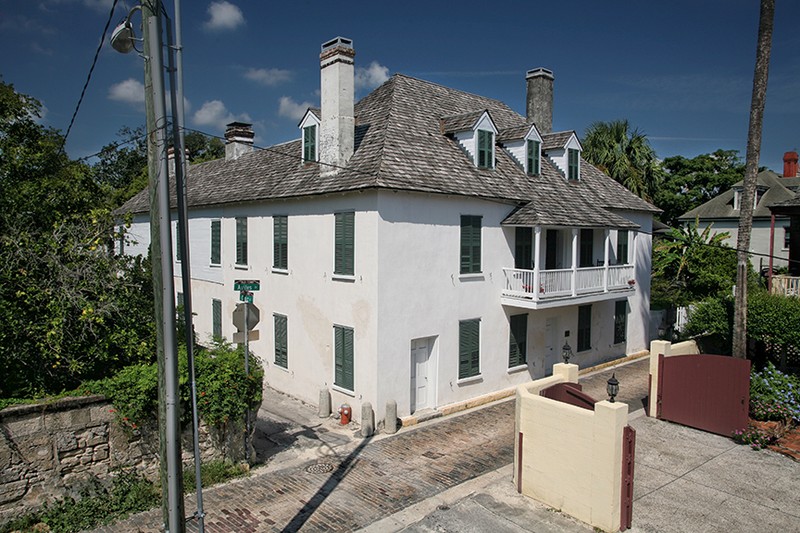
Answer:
(628, 459)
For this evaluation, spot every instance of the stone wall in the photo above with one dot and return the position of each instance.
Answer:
(50, 450)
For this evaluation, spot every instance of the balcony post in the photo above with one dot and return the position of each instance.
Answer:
(574, 262)
(537, 243)
(606, 255)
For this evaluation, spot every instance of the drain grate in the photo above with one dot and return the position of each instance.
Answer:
(319, 468)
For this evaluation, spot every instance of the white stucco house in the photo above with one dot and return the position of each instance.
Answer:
(771, 234)
(423, 245)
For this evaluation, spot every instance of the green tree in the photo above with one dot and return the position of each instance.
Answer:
(121, 168)
(201, 147)
(689, 266)
(623, 154)
(689, 183)
(70, 308)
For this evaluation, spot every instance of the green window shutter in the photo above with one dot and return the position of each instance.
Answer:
(517, 344)
(178, 244)
(281, 351)
(470, 244)
(622, 247)
(586, 248)
(344, 246)
(620, 321)
(216, 240)
(343, 341)
(485, 149)
(241, 240)
(573, 163)
(280, 244)
(533, 158)
(523, 248)
(584, 328)
(310, 143)
(216, 318)
(469, 348)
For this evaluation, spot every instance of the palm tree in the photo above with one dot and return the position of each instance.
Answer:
(623, 154)
(763, 49)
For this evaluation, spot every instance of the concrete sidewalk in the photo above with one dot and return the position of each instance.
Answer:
(454, 474)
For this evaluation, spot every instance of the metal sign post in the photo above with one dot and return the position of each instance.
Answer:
(246, 288)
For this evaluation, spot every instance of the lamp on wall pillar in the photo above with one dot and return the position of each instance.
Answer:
(612, 387)
(566, 352)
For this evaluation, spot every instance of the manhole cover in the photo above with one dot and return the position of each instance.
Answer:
(319, 468)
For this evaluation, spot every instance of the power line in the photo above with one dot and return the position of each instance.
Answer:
(89, 76)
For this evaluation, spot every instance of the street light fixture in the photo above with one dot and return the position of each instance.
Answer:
(566, 352)
(612, 387)
(123, 38)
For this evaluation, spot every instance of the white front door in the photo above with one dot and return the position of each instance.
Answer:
(552, 349)
(421, 392)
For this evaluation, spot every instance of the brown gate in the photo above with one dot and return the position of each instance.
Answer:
(708, 392)
(570, 393)
(628, 456)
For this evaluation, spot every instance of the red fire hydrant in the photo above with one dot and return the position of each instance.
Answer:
(344, 412)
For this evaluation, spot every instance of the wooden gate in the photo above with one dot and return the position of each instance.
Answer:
(570, 393)
(708, 392)
(628, 456)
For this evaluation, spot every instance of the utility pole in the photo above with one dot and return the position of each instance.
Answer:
(163, 280)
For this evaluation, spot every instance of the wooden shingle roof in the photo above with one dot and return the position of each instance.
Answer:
(399, 145)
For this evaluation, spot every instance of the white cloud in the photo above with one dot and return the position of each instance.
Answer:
(215, 114)
(290, 109)
(223, 16)
(268, 76)
(371, 76)
(130, 91)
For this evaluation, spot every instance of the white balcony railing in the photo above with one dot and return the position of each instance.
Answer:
(562, 283)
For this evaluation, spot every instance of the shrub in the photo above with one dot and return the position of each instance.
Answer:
(756, 438)
(774, 395)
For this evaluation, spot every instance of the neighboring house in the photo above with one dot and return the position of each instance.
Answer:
(723, 212)
(424, 245)
(789, 284)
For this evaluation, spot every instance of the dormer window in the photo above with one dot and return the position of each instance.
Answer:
(533, 149)
(310, 143)
(485, 149)
(574, 164)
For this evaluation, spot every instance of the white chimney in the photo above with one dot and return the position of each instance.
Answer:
(238, 140)
(337, 129)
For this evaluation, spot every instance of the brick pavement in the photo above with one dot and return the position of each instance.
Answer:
(374, 479)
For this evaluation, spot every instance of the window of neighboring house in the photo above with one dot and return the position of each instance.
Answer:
(281, 352)
(344, 244)
(523, 248)
(737, 199)
(310, 143)
(241, 240)
(180, 300)
(216, 242)
(620, 321)
(470, 244)
(586, 248)
(178, 244)
(121, 236)
(216, 318)
(574, 163)
(533, 157)
(469, 348)
(786, 237)
(485, 149)
(517, 344)
(584, 328)
(343, 362)
(280, 242)
(622, 247)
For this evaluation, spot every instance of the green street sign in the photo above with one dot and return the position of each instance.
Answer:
(247, 285)
(246, 296)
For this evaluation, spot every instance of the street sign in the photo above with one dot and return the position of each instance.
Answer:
(238, 336)
(252, 316)
(247, 285)
(246, 296)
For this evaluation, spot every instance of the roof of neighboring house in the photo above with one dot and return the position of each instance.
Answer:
(462, 122)
(556, 140)
(399, 145)
(778, 190)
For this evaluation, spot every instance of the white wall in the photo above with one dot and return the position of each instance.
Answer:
(759, 239)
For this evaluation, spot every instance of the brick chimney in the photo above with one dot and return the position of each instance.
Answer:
(539, 101)
(337, 128)
(790, 165)
(238, 140)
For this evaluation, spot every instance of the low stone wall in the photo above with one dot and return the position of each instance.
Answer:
(50, 450)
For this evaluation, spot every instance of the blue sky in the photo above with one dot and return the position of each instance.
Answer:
(681, 71)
